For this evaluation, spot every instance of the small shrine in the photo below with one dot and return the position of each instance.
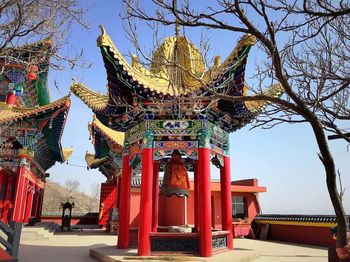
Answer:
(174, 124)
(31, 128)
(66, 217)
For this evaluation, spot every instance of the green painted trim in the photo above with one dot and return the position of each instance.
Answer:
(204, 138)
(41, 86)
(105, 53)
(148, 139)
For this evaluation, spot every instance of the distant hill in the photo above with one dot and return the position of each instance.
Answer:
(56, 193)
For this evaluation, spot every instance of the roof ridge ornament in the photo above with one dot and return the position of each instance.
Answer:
(177, 27)
(103, 30)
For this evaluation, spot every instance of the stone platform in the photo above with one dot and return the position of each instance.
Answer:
(76, 246)
(112, 254)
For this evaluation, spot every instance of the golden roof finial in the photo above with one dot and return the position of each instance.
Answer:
(177, 27)
(103, 30)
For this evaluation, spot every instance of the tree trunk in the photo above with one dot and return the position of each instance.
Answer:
(331, 175)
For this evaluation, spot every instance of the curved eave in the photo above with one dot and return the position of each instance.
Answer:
(53, 135)
(96, 101)
(103, 164)
(36, 53)
(50, 145)
(40, 50)
(15, 114)
(93, 162)
(115, 138)
(67, 152)
(117, 67)
(257, 107)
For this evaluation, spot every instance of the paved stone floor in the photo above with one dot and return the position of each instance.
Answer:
(75, 246)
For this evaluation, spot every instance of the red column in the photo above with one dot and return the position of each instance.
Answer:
(2, 180)
(226, 200)
(195, 174)
(29, 203)
(118, 191)
(7, 201)
(40, 204)
(24, 200)
(144, 247)
(205, 234)
(155, 196)
(5, 180)
(20, 195)
(35, 202)
(124, 208)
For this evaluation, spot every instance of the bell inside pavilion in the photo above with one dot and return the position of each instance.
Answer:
(172, 122)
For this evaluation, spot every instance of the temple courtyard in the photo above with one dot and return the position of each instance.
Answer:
(76, 246)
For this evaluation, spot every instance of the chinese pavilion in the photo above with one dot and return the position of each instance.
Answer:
(166, 108)
(30, 131)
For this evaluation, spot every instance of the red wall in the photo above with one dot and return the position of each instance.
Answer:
(88, 220)
(310, 235)
(134, 207)
(171, 209)
(107, 201)
(252, 205)
(6, 204)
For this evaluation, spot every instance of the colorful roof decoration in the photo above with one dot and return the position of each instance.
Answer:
(28, 120)
(67, 152)
(105, 135)
(257, 107)
(108, 146)
(176, 75)
(26, 55)
(93, 162)
(164, 77)
(93, 99)
(28, 62)
(106, 165)
(15, 114)
(49, 121)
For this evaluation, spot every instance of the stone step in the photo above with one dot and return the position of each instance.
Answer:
(40, 231)
(100, 255)
(54, 228)
(33, 236)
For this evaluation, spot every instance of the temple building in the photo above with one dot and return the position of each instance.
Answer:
(31, 128)
(107, 159)
(174, 122)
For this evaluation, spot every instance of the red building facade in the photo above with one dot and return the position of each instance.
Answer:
(175, 211)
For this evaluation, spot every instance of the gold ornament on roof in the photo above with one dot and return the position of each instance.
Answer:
(177, 66)
(179, 62)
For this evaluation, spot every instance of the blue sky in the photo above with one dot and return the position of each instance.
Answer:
(284, 159)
